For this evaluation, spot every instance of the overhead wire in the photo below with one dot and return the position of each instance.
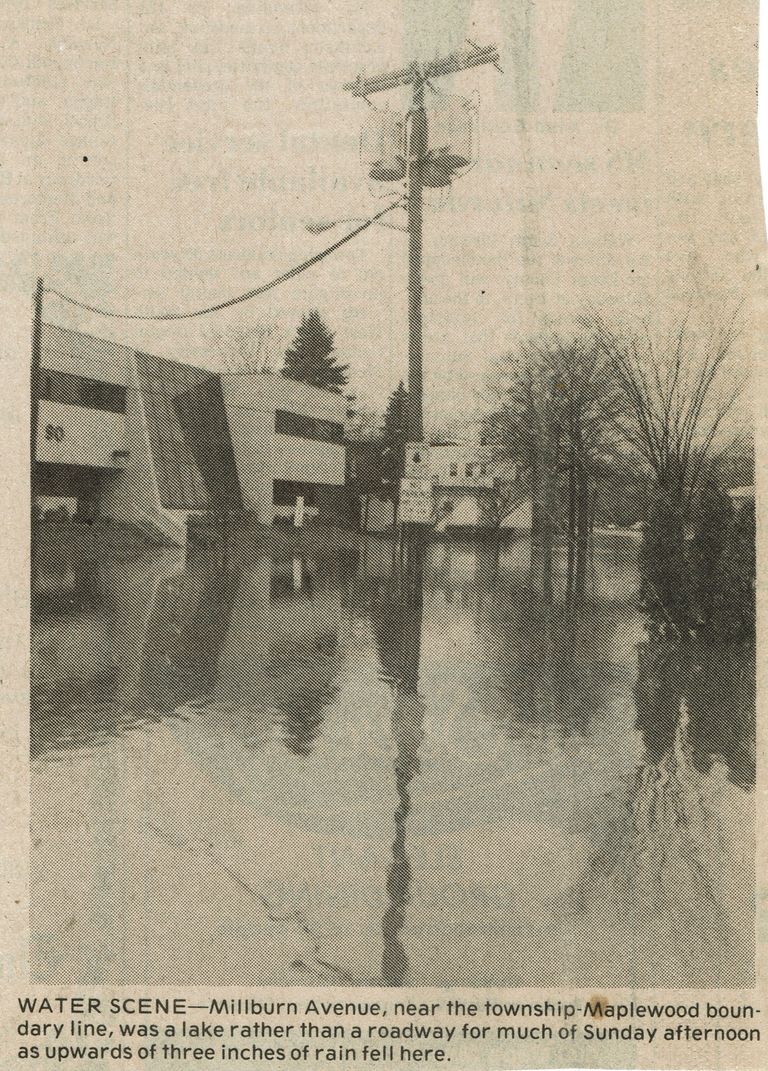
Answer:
(291, 273)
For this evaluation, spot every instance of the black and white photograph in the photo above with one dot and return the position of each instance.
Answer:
(393, 566)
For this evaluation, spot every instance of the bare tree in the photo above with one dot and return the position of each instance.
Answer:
(558, 398)
(679, 394)
(524, 427)
(248, 349)
(677, 397)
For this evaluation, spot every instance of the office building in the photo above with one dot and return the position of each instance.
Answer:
(148, 441)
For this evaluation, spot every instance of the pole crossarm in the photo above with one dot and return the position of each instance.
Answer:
(417, 76)
(461, 60)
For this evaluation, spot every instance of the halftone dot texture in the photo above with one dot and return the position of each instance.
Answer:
(318, 759)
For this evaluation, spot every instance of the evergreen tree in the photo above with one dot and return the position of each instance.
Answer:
(310, 359)
(664, 569)
(396, 415)
(395, 435)
(735, 620)
(713, 516)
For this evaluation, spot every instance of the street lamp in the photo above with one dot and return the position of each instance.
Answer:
(320, 225)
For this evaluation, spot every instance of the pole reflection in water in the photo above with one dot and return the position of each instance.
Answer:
(255, 740)
(397, 628)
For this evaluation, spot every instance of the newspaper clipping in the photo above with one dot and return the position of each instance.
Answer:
(389, 697)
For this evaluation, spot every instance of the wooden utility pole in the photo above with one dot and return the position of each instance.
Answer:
(37, 342)
(417, 153)
(417, 76)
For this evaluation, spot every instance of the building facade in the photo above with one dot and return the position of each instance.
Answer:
(288, 440)
(143, 440)
(82, 430)
(464, 489)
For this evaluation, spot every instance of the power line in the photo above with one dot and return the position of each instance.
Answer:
(297, 270)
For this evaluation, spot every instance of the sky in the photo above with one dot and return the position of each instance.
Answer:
(180, 149)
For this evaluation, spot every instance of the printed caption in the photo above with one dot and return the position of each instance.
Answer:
(76, 1030)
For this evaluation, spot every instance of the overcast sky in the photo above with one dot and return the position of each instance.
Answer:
(616, 170)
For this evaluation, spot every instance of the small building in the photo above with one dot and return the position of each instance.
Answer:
(148, 441)
(520, 519)
(463, 485)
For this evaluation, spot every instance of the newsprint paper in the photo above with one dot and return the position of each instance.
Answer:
(382, 408)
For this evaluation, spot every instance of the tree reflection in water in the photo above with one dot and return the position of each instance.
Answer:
(544, 665)
(642, 806)
(675, 867)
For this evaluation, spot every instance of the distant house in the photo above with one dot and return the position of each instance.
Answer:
(463, 485)
(521, 517)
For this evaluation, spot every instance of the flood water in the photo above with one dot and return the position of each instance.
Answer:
(345, 766)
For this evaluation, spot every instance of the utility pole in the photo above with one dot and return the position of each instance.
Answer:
(417, 153)
(418, 76)
(37, 341)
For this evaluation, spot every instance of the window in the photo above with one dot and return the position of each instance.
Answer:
(483, 470)
(285, 493)
(328, 431)
(469, 469)
(78, 390)
(454, 469)
(307, 427)
(107, 396)
(189, 436)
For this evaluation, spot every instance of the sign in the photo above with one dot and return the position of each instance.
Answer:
(76, 435)
(417, 502)
(298, 515)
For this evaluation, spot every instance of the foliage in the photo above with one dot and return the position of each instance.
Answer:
(677, 398)
(702, 587)
(395, 435)
(396, 415)
(246, 349)
(665, 582)
(712, 521)
(732, 618)
(310, 359)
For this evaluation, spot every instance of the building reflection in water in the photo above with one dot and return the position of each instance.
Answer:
(261, 656)
(282, 653)
(117, 645)
(89, 634)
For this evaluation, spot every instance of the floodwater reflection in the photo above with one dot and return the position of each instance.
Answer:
(389, 766)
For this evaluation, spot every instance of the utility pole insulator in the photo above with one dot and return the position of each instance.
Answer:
(461, 60)
(418, 176)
